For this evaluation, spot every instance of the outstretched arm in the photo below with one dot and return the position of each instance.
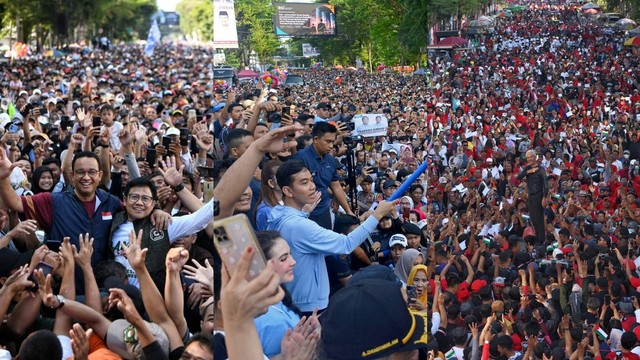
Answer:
(237, 178)
(173, 294)
(78, 311)
(153, 302)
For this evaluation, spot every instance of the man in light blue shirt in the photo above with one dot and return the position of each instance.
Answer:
(309, 241)
(323, 112)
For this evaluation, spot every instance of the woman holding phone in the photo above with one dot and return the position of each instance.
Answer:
(279, 318)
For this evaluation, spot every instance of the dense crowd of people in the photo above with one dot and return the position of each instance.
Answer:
(518, 241)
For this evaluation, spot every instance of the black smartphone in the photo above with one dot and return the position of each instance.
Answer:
(26, 109)
(97, 121)
(43, 110)
(412, 293)
(46, 270)
(607, 299)
(65, 125)
(286, 110)
(205, 172)
(166, 141)
(498, 316)
(184, 137)
(151, 156)
(257, 92)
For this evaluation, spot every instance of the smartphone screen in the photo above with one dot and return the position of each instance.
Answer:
(412, 293)
(205, 172)
(166, 141)
(151, 157)
(286, 110)
(97, 121)
(184, 137)
(46, 270)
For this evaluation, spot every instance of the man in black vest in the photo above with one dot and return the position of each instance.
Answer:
(140, 198)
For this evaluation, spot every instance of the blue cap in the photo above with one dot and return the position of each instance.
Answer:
(218, 107)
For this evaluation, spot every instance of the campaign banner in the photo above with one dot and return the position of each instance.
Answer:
(370, 125)
(305, 19)
(225, 34)
(309, 51)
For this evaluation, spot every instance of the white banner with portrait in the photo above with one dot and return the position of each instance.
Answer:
(225, 34)
(370, 125)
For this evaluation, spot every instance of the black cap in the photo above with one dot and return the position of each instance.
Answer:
(323, 105)
(410, 228)
(367, 179)
(389, 184)
(351, 332)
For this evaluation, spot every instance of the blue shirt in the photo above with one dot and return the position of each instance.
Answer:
(310, 243)
(273, 325)
(262, 214)
(323, 169)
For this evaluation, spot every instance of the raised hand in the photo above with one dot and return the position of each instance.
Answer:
(19, 279)
(26, 227)
(134, 253)
(172, 175)
(243, 300)
(274, 141)
(83, 257)
(177, 258)
(6, 167)
(119, 299)
(199, 273)
(308, 208)
(80, 342)
(44, 288)
(66, 251)
(105, 136)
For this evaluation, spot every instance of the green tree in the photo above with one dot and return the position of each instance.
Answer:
(196, 17)
(255, 25)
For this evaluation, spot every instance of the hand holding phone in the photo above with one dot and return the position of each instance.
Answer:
(232, 236)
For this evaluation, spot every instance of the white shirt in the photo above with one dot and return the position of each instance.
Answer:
(180, 227)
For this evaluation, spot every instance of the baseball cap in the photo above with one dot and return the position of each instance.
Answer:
(398, 239)
(478, 284)
(368, 179)
(172, 131)
(378, 272)
(410, 228)
(499, 281)
(116, 342)
(351, 332)
(167, 93)
(389, 184)
(422, 223)
(218, 107)
(323, 105)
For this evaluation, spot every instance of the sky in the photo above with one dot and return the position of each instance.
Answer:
(167, 5)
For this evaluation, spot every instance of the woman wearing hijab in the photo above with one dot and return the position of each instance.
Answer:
(408, 260)
(418, 277)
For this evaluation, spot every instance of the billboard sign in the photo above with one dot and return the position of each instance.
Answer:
(305, 19)
(225, 34)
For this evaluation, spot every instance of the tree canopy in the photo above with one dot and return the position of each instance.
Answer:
(72, 20)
